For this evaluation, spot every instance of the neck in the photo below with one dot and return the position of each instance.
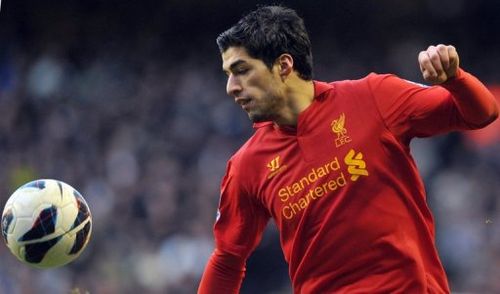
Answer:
(299, 94)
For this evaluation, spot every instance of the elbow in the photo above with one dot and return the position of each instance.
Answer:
(490, 116)
(493, 114)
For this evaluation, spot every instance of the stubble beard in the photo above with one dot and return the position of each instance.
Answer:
(268, 111)
(259, 117)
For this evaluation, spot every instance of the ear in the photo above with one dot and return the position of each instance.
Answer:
(285, 65)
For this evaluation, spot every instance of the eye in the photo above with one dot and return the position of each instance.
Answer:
(241, 71)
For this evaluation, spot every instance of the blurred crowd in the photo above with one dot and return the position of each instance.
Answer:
(125, 101)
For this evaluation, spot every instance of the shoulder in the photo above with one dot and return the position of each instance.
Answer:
(247, 165)
(353, 87)
(351, 83)
(248, 151)
(369, 78)
(377, 79)
(375, 82)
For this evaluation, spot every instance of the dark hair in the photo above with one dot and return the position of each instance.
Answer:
(268, 32)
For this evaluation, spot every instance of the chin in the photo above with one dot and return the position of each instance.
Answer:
(256, 118)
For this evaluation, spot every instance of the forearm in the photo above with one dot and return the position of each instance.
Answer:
(223, 274)
(475, 102)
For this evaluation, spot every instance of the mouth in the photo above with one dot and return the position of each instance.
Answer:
(243, 102)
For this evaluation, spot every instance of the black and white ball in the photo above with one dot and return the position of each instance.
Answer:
(46, 223)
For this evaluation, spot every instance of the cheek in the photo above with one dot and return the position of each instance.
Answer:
(263, 86)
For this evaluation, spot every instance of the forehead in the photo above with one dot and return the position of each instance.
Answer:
(234, 55)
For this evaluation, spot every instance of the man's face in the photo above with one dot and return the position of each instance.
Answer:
(254, 87)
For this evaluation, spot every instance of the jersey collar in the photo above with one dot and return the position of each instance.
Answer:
(320, 88)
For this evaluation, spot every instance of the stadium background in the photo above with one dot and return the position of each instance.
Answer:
(125, 100)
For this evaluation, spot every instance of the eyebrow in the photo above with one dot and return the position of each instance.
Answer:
(235, 64)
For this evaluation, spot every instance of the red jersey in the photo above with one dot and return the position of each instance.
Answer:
(343, 189)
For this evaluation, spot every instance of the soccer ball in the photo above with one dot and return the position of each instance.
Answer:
(46, 223)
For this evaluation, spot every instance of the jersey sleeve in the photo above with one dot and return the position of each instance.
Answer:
(238, 230)
(413, 110)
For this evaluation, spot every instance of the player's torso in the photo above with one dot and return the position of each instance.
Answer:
(304, 171)
(307, 167)
(331, 188)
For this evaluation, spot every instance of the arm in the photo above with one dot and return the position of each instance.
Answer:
(458, 101)
(440, 65)
(223, 274)
(238, 230)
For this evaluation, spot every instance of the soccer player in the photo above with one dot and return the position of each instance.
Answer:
(330, 163)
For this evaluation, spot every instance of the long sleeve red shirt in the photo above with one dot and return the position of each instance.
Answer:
(343, 188)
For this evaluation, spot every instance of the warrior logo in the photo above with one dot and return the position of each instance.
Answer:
(275, 167)
(274, 164)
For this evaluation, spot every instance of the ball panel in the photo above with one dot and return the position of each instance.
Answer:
(83, 210)
(59, 254)
(35, 252)
(44, 224)
(82, 236)
(39, 184)
(21, 226)
(60, 186)
(7, 218)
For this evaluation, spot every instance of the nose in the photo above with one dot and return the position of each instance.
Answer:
(233, 86)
